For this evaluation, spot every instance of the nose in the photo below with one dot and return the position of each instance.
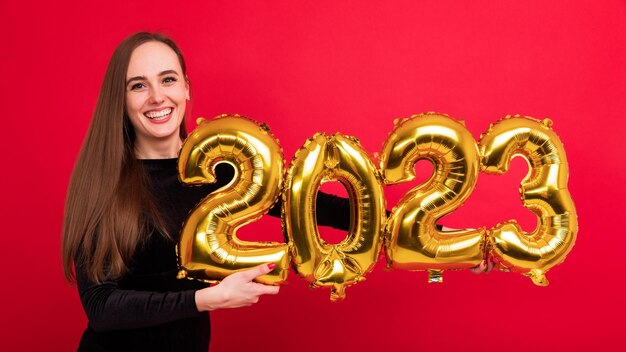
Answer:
(156, 95)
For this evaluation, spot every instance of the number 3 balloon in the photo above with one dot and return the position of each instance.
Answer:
(543, 191)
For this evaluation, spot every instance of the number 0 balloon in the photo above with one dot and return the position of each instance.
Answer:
(327, 158)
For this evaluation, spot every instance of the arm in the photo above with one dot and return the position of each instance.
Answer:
(108, 307)
(331, 211)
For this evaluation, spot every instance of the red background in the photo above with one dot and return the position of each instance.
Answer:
(352, 67)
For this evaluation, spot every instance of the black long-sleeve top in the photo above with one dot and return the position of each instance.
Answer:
(149, 309)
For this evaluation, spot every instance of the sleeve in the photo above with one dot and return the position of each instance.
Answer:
(110, 308)
(331, 211)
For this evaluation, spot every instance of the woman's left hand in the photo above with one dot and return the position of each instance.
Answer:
(485, 266)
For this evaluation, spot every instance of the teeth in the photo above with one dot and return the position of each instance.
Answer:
(158, 114)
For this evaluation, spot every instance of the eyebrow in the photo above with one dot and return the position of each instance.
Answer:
(141, 78)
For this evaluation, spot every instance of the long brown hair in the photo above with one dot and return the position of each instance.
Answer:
(108, 210)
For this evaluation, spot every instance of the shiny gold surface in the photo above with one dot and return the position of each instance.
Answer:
(209, 249)
(412, 241)
(326, 158)
(543, 191)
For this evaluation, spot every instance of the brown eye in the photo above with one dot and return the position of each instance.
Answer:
(137, 86)
(169, 80)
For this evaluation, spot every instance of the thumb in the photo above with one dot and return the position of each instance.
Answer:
(257, 271)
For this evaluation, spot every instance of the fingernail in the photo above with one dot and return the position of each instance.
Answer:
(271, 266)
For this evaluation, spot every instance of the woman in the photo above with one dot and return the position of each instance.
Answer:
(125, 205)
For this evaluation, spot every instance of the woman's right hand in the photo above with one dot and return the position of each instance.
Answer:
(236, 290)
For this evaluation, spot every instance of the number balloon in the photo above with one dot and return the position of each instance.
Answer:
(413, 242)
(543, 191)
(326, 158)
(209, 249)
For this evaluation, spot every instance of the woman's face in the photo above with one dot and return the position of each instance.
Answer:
(156, 94)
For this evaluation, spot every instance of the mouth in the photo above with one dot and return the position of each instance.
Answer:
(159, 115)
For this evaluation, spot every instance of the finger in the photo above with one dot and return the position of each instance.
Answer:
(270, 290)
(479, 269)
(257, 271)
(262, 289)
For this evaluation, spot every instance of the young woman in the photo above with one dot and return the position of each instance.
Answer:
(125, 206)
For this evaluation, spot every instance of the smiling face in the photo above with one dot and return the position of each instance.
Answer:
(156, 97)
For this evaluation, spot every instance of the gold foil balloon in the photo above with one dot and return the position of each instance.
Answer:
(412, 240)
(543, 191)
(209, 248)
(333, 158)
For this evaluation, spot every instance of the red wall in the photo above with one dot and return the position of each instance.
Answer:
(352, 67)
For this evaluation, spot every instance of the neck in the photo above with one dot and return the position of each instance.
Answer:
(157, 149)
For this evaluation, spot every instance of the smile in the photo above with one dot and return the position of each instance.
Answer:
(158, 115)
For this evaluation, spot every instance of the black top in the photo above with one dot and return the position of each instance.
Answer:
(149, 309)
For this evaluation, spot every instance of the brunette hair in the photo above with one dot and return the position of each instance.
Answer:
(108, 210)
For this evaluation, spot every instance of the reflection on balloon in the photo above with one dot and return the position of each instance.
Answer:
(209, 248)
(413, 241)
(333, 158)
(543, 191)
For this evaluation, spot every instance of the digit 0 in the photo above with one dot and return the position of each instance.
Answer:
(333, 158)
